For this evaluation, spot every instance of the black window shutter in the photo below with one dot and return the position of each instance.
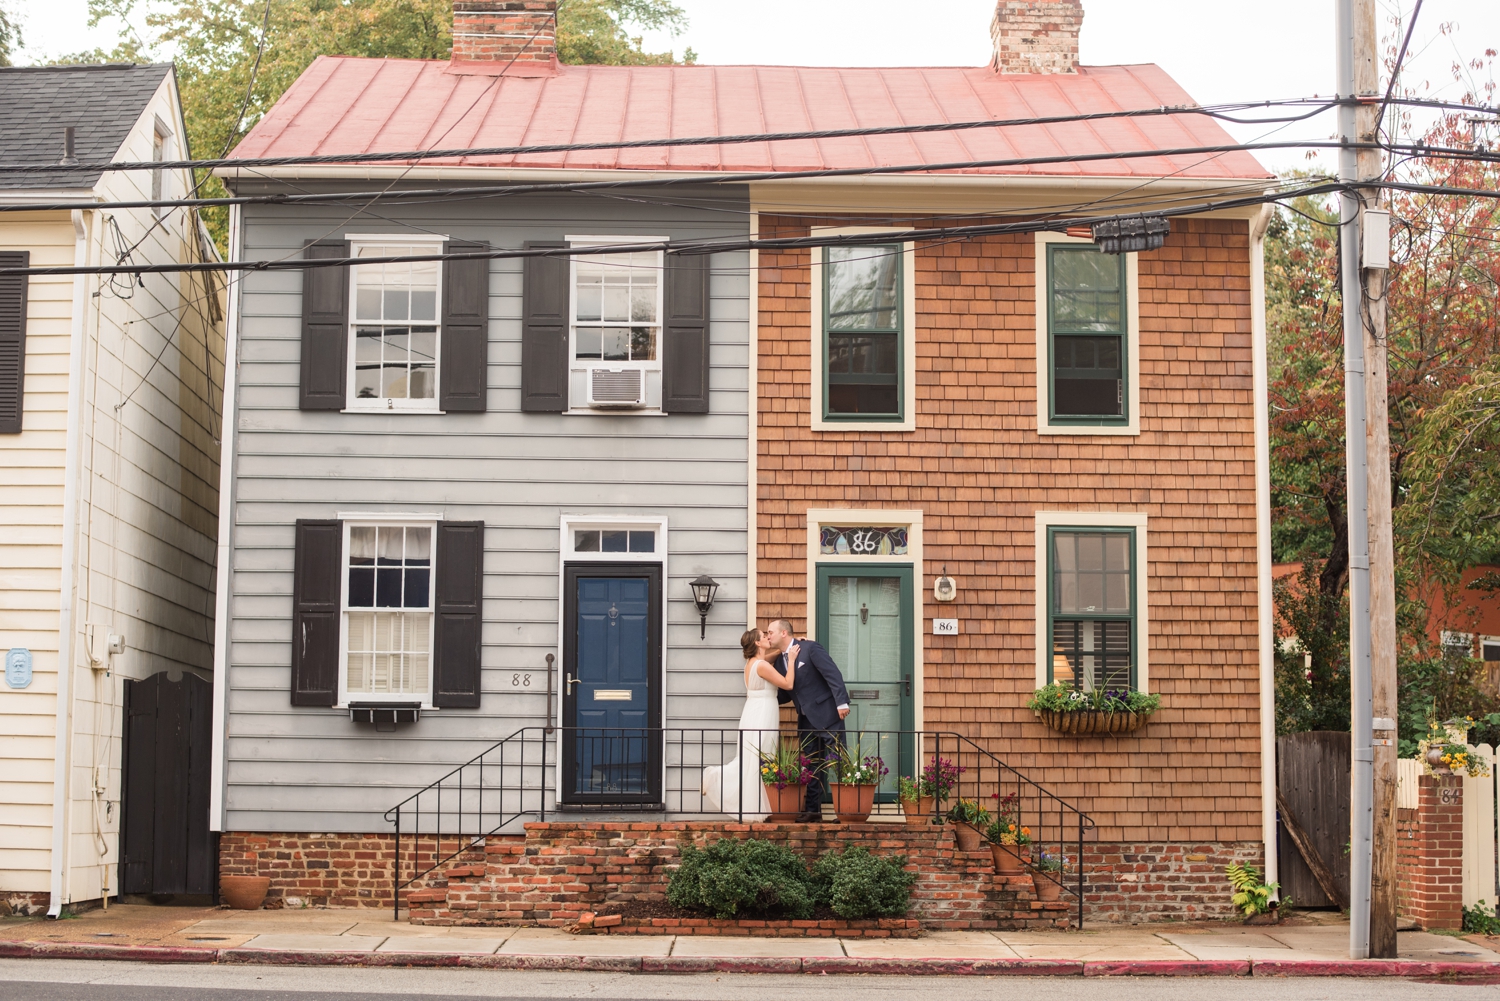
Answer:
(685, 335)
(465, 336)
(544, 332)
(460, 603)
(325, 328)
(13, 341)
(315, 612)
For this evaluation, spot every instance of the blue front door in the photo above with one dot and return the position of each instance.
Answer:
(612, 740)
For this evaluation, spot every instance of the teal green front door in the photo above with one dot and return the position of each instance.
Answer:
(866, 621)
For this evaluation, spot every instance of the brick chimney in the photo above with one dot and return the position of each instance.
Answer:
(1036, 36)
(488, 35)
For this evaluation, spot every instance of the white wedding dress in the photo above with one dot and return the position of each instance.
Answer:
(760, 721)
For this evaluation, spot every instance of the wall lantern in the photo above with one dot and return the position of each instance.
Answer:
(944, 588)
(705, 588)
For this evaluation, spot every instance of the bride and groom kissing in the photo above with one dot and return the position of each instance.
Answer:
(780, 668)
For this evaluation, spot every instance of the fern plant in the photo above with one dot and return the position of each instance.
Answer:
(1250, 894)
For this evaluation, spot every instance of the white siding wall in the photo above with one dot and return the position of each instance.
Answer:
(146, 516)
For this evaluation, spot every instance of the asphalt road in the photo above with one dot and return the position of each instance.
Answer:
(77, 980)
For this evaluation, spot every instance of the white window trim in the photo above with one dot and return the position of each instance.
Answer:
(908, 372)
(414, 521)
(911, 520)
(574, 362)
(383, 405)
(1132, 426)
(1094, 519)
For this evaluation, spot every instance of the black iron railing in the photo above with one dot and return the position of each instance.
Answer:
(691, 774)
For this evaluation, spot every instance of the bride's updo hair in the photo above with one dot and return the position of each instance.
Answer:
(748, 642)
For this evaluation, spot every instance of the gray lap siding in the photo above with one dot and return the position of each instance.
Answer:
(312, 769)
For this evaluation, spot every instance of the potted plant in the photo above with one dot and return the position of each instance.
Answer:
(785, 774)
(970, 821)
(1102, 710)
(1007, 838)
(910, 795)
(936, 784)
(855, 780)
(1445, 750)
(1049, 869)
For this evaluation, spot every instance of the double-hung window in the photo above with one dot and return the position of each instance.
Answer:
(388, 605)
(395, 329)
(863, 327)
(1091, 607)
(1087, 335)
(617, 330)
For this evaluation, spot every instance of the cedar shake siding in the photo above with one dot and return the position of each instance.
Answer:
(978, 470)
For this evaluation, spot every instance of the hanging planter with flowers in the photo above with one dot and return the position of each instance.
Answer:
(1068, 710)
(1446, 751)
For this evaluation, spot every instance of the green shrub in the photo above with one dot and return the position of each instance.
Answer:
(1481, 919)
(856, 884)
(737, 876)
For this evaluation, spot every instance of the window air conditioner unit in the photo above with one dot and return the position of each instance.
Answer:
(617, 387)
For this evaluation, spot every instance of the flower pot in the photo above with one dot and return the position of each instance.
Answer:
(1093, 721)
(244, 893)
(1007, 859)
(919, 813)
(968, 837)
(786, 802)
(853, 802)
(1047, 886)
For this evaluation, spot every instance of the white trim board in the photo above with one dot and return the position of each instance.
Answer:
(1094, 519)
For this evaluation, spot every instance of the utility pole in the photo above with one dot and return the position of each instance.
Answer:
(1356, 44)
(1375, 245)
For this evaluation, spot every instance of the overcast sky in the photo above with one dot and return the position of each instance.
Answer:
(1218, 50)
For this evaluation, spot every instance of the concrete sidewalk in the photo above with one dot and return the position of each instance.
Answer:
(1311, 944)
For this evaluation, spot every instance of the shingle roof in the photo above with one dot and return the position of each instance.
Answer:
(101, 102)
(344, 104)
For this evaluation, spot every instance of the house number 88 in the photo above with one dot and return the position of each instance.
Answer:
(520, 681)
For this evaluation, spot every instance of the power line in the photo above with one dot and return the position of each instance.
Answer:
(1220, 111)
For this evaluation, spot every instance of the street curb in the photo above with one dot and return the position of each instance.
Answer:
(1411, 969)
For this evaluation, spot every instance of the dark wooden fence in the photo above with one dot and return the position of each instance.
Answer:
(1312, 789)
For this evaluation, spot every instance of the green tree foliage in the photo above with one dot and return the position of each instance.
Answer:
(235, 55)
(10, 35)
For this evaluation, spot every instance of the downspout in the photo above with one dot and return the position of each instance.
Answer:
(228, 424)
(66, 641)
(1264, 607)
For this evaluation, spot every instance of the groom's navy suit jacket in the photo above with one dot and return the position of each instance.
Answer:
(818, 687)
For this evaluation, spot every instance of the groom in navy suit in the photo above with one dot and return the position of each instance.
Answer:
(822, 702)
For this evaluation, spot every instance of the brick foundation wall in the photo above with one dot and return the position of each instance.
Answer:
(978, 470)
(319, 870)
(1133, 883)
(16, 903)
(1430, 859)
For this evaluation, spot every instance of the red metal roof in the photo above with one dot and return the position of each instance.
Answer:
(344, 104)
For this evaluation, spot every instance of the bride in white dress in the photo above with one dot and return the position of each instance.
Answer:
(760, 723)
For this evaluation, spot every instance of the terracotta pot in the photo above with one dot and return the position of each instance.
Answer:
(1047, 886)
(968, 837)
(244, 893)
(786, 802)
(919, 813)
(853, 802)
(1093, 721)
(1007, 859)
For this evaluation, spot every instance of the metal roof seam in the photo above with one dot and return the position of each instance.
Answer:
(391, 110)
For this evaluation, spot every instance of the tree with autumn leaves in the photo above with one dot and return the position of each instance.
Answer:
(1443, 343)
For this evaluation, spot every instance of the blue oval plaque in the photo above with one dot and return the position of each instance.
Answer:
(18, 667)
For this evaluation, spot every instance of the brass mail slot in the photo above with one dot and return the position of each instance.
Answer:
(612, 695)
(864, 693)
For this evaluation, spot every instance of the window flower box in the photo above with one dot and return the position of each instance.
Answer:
(1069, 710)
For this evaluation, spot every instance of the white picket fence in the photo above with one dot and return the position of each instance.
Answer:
(1479, 823)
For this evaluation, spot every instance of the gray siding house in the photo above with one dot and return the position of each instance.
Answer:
(454, 485)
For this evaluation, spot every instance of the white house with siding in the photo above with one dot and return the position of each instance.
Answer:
(110, 395)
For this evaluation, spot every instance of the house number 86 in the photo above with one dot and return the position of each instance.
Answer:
(863, 542)
(520, 681)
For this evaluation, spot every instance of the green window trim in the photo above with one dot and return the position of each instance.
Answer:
(887, 340)
(1094, 338)
(1104, 618)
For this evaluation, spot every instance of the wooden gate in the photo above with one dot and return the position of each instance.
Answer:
(1312, 798)
(165, 843)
